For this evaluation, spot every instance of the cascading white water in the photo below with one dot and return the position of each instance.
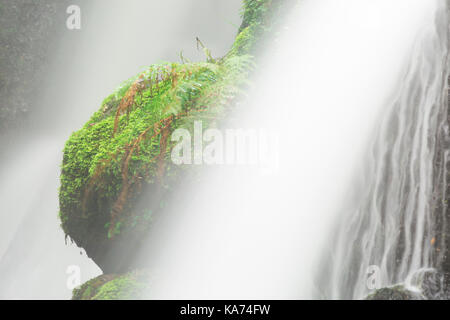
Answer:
(390, 228)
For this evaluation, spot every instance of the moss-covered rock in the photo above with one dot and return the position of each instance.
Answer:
(115, 287)
(124, 149)
(398, 292)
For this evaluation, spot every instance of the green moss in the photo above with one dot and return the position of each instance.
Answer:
(261, 20)
(89, 289)
(254, 12)
(114, 287)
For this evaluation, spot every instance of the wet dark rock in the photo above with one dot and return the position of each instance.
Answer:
(395, 293)
(431, 284)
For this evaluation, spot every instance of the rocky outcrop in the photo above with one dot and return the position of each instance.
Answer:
(123, 151)
(395, 293)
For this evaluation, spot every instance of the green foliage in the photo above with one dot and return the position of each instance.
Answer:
(129, 286)
(95, 156)
(253, 12)
(260, 23)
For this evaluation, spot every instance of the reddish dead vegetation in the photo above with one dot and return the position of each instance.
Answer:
(163, 128)
(127, 102)
(162, 75)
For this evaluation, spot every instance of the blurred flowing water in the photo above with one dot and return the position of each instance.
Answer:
(325, 87)
(395, 223)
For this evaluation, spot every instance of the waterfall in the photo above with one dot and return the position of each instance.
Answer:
(242, 234)
(394, 226)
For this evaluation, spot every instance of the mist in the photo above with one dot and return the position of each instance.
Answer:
(245, 233)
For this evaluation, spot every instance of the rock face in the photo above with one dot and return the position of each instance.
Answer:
(441, 170)
(441, 202)
(124, 150)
